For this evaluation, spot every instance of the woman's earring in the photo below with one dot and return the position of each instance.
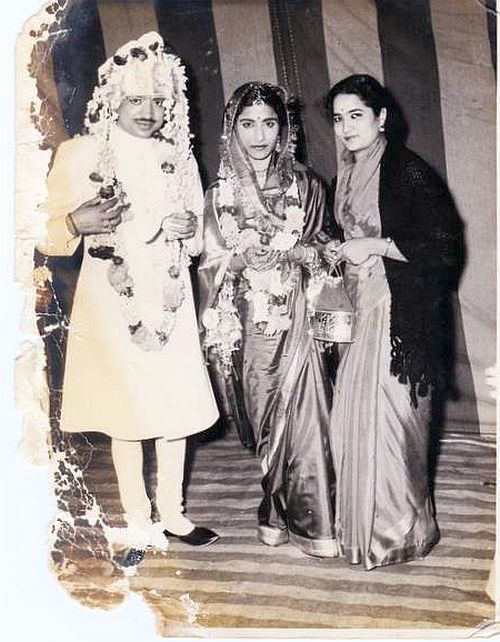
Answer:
(381, 127)
(278, 145)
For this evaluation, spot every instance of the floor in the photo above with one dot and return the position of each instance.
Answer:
(241, 584)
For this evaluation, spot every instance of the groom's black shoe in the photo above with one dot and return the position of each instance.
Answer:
(199, 536)
(130, 557)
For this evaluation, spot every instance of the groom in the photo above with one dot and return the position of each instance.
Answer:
(134, 368)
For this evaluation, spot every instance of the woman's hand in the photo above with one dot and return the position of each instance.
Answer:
(357, 251)
(330, 252)
(98, 216)
(180, 225)
(261, 258)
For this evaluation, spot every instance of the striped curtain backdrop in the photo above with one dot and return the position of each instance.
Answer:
(437, 56)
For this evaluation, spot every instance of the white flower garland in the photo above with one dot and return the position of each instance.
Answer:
(284, 234)
(268, 290)
(144, 66)
(174, 166)
(176, 258)
(146, 338)
(223, 325)
(269, 297)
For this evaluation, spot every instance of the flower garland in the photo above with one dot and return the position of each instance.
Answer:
(144, 337)
(111, 247)
(223, 326)
(143, 67)
(267, 290)
(270, 231)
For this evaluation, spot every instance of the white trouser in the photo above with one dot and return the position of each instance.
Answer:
(128, 461)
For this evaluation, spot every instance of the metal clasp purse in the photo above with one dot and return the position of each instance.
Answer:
(332, 315)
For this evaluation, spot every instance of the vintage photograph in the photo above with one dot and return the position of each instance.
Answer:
(257, 241)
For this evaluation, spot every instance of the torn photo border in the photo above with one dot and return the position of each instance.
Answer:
(34, 171)
(34, 606)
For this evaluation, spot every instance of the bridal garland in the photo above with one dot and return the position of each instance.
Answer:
(277, 234)
(268, 289)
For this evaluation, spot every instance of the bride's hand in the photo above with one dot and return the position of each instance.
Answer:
(261, 258)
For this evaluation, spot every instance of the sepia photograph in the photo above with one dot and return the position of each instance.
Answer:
(256, 247)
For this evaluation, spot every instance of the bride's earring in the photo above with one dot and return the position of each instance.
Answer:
(278, 145)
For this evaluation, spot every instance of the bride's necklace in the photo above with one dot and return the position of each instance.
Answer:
(260, 168)
(260, 172)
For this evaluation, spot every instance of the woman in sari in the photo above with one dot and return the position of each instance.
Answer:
(402, 242)
(262, 218)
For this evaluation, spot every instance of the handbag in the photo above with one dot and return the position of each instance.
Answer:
(332, 315)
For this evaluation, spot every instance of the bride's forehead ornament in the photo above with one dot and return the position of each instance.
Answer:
(259, 96)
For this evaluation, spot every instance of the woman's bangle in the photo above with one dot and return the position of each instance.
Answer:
(388, 243)
(312, 262)
(304, 253)
(70, 224)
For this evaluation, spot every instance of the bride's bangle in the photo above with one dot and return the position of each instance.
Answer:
(312, 255)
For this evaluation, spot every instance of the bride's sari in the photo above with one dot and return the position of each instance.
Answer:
(270, 372)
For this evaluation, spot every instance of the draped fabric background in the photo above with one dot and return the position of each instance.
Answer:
(437, 56)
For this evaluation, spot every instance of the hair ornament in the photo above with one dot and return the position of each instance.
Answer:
(259, 96)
